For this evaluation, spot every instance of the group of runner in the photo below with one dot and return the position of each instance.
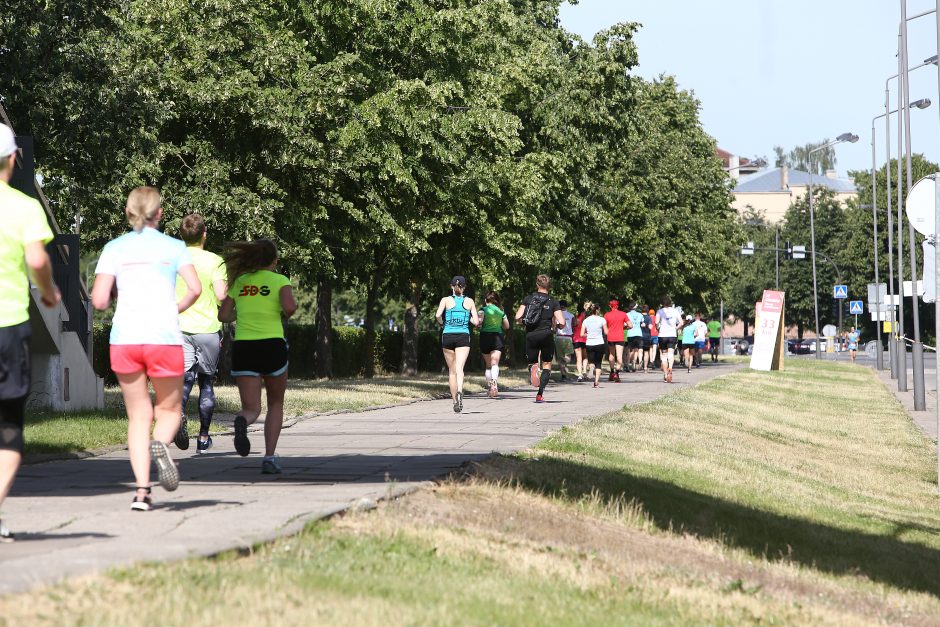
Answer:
(646, 335)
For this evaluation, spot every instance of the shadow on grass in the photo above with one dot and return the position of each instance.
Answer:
(764, 534)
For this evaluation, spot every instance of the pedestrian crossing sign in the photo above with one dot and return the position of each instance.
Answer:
(855, 307)
(840, 291)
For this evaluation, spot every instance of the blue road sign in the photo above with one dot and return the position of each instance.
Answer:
(855, 307)
(840, 291)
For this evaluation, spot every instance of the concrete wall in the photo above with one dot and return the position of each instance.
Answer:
(62, 375)
(775, 204)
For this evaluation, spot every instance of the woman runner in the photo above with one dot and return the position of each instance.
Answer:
(456, 313)
(688, 343)
(654, 337)
(492, 340)
(595, 330)
(146, 342)
(579, 341)
(258, 301)
(668, 321)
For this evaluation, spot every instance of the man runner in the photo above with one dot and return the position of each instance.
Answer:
(714, 338)
(564, 343)
(634, 336)
(617, 321)
(23, 238)
(701, 336)
(540, 313)
(202, 331)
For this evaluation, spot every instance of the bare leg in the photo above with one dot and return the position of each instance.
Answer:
(450, 357)
(9, 464)
(274, 418)
(619, 349)
(249, 389)
(460, 358)
(139, 418)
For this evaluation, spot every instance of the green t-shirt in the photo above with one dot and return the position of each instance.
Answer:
(203, 316)
(492, 319)
(714, 328)
(24, 222)
(257, 297)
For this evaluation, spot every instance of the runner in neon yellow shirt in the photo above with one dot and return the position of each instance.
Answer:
(202, 331)
(23, 238)
(258, 301)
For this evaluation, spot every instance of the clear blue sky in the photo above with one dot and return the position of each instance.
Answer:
(782, 73)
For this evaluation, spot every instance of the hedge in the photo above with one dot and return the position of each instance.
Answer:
(349, 352)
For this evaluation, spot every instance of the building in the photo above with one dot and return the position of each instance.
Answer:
(773, 190)
(737, 166)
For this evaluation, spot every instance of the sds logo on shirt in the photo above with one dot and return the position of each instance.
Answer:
(254, 290)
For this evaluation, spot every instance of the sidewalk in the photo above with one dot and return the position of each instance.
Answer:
(73, 517)
(926, 421)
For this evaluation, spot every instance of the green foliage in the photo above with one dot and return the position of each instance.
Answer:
(799, 157)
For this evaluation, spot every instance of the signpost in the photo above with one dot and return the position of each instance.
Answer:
(769, 345)
(840, 291)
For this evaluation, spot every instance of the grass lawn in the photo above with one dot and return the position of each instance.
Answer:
(54, 432)
(801, 497)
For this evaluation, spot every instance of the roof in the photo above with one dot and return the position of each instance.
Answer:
(769, 181)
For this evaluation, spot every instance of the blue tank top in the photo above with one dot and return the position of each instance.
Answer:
(457, 319)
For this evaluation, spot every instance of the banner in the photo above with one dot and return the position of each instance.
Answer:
(769, 345)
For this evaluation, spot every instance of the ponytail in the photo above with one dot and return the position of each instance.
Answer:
(246, 257)
(143, 204)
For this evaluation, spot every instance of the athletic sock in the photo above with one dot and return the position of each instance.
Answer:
(489, 377)
(544, 376)
(495, 373)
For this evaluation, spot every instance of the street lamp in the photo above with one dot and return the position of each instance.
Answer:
(923, 103)
(844, 137)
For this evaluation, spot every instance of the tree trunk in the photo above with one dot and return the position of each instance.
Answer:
(323, 329)
(745, 325)
(372, 298)
(409, 347)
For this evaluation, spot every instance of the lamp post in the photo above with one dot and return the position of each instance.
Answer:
(844, 137)
(923, 103)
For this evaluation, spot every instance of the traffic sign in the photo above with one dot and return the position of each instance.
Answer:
(855, 307)
(921, 205)
(840, 291)
(830, 330)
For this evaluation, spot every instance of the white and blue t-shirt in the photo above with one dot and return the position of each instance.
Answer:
(637, 319)
(144, 266)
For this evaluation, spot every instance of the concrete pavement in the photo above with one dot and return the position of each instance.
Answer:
(73, 517)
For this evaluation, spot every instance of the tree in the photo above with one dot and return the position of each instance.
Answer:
(799, 158)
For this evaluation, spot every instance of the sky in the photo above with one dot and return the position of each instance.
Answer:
(773, 73)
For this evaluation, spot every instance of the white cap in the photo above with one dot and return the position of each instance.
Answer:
(688, 317)
(7, 141)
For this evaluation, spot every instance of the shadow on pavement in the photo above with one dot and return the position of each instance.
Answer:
(764, 534)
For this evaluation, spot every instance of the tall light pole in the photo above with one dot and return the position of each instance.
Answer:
(844, 137)
(923, 103)
(936, 271)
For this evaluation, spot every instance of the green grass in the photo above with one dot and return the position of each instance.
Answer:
(801, 497)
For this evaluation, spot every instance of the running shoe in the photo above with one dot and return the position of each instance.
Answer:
(242, 443)
(611, 376)
(141, 503)
(669, 376)
(203, 447)
(458, 403)
(271, 465)
(182, 435)
(534, 373)
(167, 472)
(597, 385)
(616, 377)
(580, 379)
(6, 535)
(539, 399)
(495, 389)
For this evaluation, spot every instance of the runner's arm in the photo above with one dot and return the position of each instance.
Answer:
(40, 270)
(606, 330)
(520, 312)
(193, 287)
(101, 291)
(474, 316)
(440, 311)
(505, 323)
(288, 302)
(627, 323)
(559, 319)
(220, 288)
(227, 310)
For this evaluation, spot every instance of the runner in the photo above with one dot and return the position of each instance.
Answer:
(579, 342)
(701, 336)
(654, 338)
(22, 256)
(202, 331)
(146, 342)
(634, 336)
(852, 337)
(540, 313)
(688, 343)
(668, 322)
(595, 329)
(647, 327)
(714, 338)
(492, 340)
(564, 344)
(259, 300)
(617, 321)
(455, 313)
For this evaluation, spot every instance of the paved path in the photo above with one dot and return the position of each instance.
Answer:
(73, 517)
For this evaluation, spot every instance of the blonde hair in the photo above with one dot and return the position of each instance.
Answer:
(143, 204)
(590, 308)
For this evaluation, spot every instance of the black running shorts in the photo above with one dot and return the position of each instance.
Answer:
(635, 341)
(490, 342)
(665, 343)
(537, 343)
(450, 341)
(256, 358)
(14, 361)
(596, 354)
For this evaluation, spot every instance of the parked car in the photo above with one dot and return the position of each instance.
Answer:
(804, 347)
